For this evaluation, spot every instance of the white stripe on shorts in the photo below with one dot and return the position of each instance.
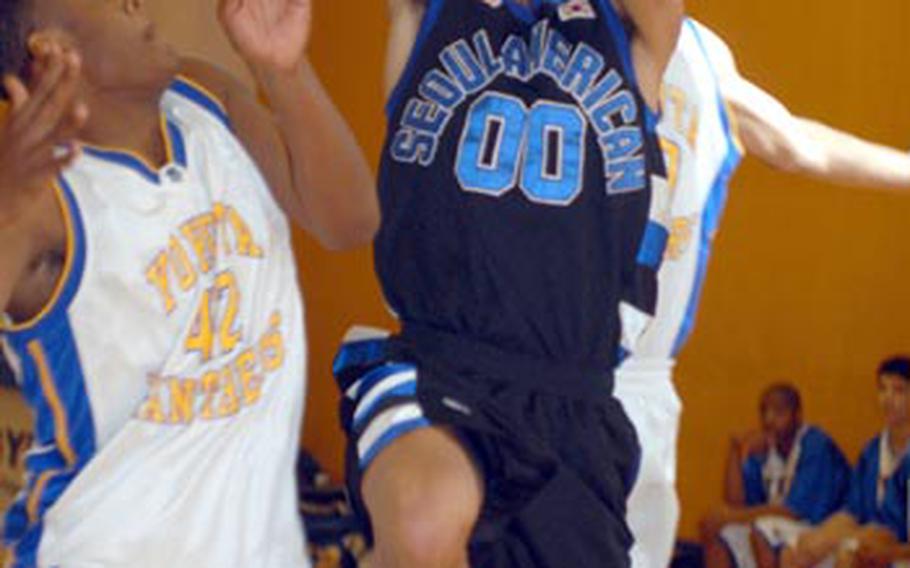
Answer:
(385, 422)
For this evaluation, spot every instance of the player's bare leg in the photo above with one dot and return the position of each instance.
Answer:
(716, 553)
(764, 554)
(424, 496)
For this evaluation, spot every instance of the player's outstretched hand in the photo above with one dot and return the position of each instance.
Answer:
(38, 134)
(268, 33)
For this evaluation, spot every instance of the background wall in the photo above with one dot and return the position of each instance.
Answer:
(809, 282)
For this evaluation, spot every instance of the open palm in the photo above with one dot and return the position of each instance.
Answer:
(268, 32)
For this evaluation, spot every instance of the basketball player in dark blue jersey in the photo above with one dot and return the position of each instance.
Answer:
(516, 186)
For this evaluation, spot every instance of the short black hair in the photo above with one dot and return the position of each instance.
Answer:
(787, 392)
(898, 365)
(15, 27)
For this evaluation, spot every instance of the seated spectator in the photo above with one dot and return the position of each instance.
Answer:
(334, 532)
(871, 531)
(787, 469)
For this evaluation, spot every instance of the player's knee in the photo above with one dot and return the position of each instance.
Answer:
(709, 527)
(421, 528)
(788, 558)
(764, 554)
(433, 538)
(423, 515)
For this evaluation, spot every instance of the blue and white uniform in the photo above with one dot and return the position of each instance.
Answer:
(812, 482)
(878, 490)
(166, 375)
(701, 152)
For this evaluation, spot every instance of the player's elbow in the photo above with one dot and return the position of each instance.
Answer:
(358, 228)
(803, 161)
(786, 160)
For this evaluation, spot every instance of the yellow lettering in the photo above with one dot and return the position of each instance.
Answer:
(220, 213)
(672, 159)
(200, 232)
(250, 381)
(243, 236)
(692, 137)
(229, 337)
(677, 99)
(229, 403)
(210, 384)
(201, 336)
(183, 268)
(157, 276)
(183, 395)
(152, 410)
(680, 237)
(271, 346)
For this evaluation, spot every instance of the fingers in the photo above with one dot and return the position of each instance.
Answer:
(52, 163)
(52, 107)
(229, 7)
(53, 70)
(17, 92)
(50, 114)
(59, 146)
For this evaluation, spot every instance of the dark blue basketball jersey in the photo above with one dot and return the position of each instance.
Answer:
(516, 176)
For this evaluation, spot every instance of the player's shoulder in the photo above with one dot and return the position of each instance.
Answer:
(399, 7)
(871, 449)
(712, 45)
(209, 85)
(816, 439)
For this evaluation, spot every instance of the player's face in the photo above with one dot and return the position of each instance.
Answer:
(778, 418)
(894, 398)
(117, 41)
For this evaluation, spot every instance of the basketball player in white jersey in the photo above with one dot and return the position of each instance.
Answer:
(152, 307)
(704, 100)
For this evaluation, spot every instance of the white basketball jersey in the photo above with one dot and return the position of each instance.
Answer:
(701, 152)
(167, 374)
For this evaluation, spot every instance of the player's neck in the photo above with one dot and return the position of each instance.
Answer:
(123, 123)
(785, 444)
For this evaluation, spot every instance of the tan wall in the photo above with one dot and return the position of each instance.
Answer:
(808, 282)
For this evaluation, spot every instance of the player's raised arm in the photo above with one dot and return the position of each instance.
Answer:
(36, 142)
(405, 17)
(656, 26)
(304, 146)
(801, 145)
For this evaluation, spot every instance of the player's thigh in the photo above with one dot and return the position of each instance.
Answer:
(425, 487)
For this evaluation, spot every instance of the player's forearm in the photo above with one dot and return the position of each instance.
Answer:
(331, 178)
(850, 160)
(772, 134)
(405, 17)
